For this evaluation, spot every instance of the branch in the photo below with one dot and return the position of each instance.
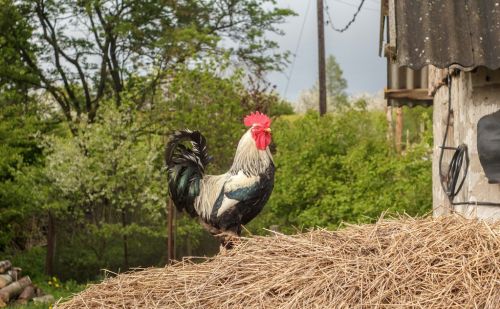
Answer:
(111, 55)
(52, 40)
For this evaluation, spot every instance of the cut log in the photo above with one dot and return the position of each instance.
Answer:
(12, 290)
(5, 280)
(27, 294)
(38, 292)
(15, 273)
(4, 266)
(44, 299)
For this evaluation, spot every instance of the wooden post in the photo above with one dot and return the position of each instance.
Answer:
(170, 231)
(390, 128)
(125, 240)
(321, 59)
(399, 127)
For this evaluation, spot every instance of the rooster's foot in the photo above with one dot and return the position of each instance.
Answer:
(227, 239)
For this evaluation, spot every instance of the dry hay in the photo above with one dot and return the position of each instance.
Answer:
(448, 262)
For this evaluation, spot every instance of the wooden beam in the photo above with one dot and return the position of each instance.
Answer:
(420, 94)
(384, 11)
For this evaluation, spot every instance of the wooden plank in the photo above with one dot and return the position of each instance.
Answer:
(392, 23)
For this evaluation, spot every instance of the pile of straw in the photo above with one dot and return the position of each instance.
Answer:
(448, 262)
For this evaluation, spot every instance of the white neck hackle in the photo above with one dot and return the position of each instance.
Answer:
(249, 158)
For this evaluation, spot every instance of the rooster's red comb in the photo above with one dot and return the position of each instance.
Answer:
(257, 118)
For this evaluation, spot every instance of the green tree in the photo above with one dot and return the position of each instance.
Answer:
(83, 52)
(21, 162)
(335, 83)
(110, 181)
(335, 90)
(114, 72)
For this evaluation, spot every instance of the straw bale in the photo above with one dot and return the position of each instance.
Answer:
(448, 262)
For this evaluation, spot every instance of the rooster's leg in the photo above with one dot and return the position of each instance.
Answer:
(212, 230)
(228, 239)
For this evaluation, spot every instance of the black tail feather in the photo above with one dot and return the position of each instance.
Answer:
(186, 167)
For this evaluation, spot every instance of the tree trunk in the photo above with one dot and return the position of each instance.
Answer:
(189, 246)
(51, 245)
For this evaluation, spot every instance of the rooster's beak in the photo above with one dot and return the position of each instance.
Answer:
(268, 130)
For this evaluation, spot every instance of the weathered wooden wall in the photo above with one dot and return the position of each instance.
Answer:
(474, 94)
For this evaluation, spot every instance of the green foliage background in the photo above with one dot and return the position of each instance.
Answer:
(94, 163)
(341, 168)
(331, 169)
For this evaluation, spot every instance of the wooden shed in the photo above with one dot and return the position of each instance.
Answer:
(458, 44)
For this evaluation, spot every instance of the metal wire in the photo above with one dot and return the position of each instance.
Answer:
(330, 21)
(292, 67)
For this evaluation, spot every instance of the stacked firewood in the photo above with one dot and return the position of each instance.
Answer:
(15, 289)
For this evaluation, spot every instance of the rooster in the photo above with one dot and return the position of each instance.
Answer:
(223, 203)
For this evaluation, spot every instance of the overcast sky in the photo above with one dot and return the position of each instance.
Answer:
(356, 49)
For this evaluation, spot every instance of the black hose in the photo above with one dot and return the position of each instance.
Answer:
(461, 155)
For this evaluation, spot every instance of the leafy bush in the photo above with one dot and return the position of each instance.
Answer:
(340, 167)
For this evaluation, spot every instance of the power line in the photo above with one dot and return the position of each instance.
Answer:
(330, 21)
(355, 6)
(289, 77)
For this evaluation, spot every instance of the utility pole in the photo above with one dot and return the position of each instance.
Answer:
(321, 59)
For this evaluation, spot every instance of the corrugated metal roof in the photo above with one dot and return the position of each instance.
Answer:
(444, 33)
(406, 86)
